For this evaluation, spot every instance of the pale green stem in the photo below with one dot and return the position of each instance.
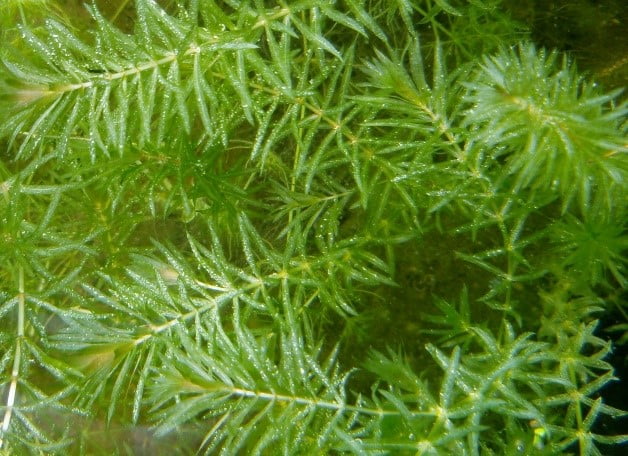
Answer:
(8, 412)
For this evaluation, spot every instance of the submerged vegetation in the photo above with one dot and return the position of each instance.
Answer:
(310, 227)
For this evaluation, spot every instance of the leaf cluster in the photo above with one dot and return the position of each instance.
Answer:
(313, 227)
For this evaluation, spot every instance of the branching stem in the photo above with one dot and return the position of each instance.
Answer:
(169, 57)
(307, 401)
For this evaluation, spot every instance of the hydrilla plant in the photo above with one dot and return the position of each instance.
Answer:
(313, 227)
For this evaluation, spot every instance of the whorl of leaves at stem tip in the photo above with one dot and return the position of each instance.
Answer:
(545, 128)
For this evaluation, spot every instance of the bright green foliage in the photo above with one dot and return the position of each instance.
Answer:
(314, 227)
(545, 128)
(594, 248)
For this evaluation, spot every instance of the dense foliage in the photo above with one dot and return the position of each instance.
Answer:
(304, 227)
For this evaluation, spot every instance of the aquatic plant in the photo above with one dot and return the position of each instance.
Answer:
(313, 227)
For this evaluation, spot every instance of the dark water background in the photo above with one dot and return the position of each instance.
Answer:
(594, 32)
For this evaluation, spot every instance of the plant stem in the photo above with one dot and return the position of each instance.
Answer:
(16, 359)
